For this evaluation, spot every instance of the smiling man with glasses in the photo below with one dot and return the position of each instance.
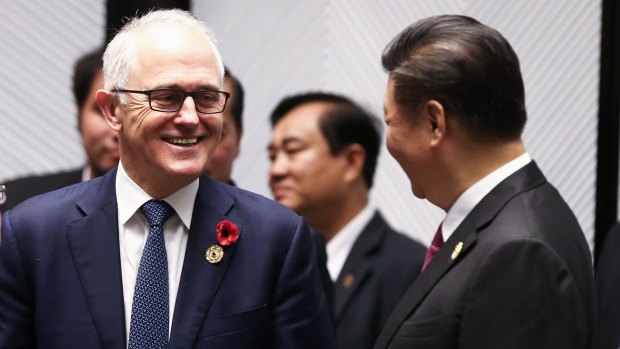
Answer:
(155, 254)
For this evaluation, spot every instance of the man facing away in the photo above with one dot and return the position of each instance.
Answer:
(509, 266)
(323, 155)
(154, 254)
(100, 142)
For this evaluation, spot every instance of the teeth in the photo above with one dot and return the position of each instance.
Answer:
(183, 140)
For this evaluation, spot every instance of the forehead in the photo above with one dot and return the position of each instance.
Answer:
(176, 57)
(301, 122)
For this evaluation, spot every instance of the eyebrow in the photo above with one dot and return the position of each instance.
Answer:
(285, 141)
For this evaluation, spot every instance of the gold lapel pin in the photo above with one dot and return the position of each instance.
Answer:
(348, 281)
(214, 254)
(457, 250)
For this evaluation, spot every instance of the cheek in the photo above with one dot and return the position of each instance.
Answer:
(94, 127)
(391, 142)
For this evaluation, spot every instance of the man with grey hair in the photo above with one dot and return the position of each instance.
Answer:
(155, 254)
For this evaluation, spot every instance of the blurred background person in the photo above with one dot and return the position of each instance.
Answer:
(99, 140)
(323, 154)
(221, 165)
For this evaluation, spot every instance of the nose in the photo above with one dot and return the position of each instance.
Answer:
(278, 169)
(188, 115)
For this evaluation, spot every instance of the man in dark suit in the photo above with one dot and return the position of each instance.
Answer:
(323, 155)
(100, 141)
(608, 288)
(154, 254)
(509, 266)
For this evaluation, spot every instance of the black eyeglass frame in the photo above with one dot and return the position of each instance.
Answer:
(185, 94)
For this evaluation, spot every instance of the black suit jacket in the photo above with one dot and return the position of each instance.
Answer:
(379, 269)
(24, 188)
(522, 279)
(608, 291)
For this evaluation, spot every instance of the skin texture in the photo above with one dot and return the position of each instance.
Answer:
(99, 140)
(220, 166)
(176, 58)
(408, 142)
(327, 189)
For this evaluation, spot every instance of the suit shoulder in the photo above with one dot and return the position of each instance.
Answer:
(23, 188)
(52, 206)
(396, 242)
(247, 200)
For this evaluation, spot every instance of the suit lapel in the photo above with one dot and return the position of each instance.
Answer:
(357, 268)
(200, 279)
(94, 244)
(465, 235)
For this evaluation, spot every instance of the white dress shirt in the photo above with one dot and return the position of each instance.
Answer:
(474, 194)
(133, 231)
(338, 247)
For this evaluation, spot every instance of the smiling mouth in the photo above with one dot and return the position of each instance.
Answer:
(183, 142)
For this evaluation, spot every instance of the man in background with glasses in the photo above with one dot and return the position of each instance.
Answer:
(154, 254)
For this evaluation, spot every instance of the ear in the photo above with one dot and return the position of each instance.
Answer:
(109, 103)
(355, 156)
(436, 118)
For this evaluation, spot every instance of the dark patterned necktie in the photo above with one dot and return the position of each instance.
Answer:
(149, 313)
(433, 248)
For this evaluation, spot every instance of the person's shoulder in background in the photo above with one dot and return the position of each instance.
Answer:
(24, 188)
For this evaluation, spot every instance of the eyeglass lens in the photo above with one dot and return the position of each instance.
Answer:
(172, 100)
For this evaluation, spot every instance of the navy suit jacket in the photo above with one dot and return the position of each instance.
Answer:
(379, 269)
(60, 275)
(515, 274)
(24, 188)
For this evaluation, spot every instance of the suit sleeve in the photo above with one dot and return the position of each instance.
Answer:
(524, 296)
(16, 305)
(300, 315)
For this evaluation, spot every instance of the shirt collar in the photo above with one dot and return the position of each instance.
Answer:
(130, 197)
(474, 194)
(339, 246)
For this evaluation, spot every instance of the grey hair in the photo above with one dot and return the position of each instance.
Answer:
(119, 58)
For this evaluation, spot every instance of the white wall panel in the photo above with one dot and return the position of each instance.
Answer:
(281, 47)
(39, 43)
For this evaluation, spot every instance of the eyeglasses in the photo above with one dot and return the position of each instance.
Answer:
(2, 194)
(169, 100)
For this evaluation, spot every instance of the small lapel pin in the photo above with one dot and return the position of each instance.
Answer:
(348, 281)
(214, 254)
(457, 250)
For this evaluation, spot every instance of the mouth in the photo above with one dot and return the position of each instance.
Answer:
(280, 192)
(183, 142)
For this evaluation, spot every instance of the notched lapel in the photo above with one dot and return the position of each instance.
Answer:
(348, 283)
(358, 266)
(200, 279)
(94, 244)
(441, 263)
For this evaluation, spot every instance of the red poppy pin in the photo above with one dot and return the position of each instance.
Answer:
(227, 234)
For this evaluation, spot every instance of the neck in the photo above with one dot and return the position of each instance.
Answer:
(330, 220)
(469, 164)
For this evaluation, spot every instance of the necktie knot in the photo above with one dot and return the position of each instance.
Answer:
(156, 212)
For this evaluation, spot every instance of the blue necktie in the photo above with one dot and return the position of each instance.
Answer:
(149, 313)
